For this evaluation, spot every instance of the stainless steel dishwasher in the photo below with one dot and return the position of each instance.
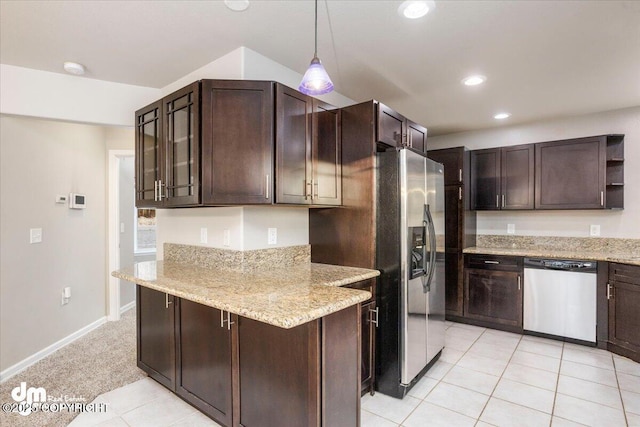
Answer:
(560, 298)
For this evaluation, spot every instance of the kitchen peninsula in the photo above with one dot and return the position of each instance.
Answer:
(269, 341)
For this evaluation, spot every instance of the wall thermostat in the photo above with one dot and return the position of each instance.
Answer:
(77, 201)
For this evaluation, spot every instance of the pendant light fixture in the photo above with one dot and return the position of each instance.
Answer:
(316, 81)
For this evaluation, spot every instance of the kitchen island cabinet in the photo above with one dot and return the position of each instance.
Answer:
(155, 320)
(255, 349)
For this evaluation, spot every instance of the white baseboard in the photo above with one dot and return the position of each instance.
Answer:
(127, 307)
(24, 364)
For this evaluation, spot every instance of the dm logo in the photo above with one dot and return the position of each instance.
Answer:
(28, 396)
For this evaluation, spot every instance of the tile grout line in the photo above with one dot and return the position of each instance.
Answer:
(555, 392)
(440, 380)
(500, 379)
(615, 369)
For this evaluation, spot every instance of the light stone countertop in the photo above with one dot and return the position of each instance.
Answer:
(284, 297)
(624, 258)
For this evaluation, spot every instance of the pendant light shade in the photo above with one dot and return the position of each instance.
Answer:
(316, 81)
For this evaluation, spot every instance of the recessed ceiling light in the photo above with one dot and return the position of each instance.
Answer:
(501, 116)
(74, 68)
(474, 80)
(415, 9)
(237, 5)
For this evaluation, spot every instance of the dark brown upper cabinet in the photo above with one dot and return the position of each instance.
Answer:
(238, 142)
(237, 152)
(149, 152)
(181, 109)
(456, 164)
(326, 154)
(503, 178)
(582, 173)
(168, 150)
(308, 148)
(395, 130)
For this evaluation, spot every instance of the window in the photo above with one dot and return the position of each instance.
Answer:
(144, 237)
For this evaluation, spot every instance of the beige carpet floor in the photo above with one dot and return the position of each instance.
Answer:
(100, 361)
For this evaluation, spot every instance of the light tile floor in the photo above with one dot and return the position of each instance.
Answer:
(484, 378)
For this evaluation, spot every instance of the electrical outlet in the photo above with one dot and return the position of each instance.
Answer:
(511, 229)
(203, 235)
(272, 234)
(594, 231)
(35, 235)
(226, 238)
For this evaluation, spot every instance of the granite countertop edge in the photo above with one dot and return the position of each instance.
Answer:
(243, 303)
(632, 259)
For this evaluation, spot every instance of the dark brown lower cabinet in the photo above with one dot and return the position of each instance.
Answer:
(624, 310)
(156, 335)
(367, 371)
(454, 289)
(246, 373)
(493, 291)
(204, 360)
(368, 324)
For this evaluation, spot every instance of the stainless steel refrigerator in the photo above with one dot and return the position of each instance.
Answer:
(410, 255)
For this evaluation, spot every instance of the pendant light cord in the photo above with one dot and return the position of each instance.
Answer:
(315, 52)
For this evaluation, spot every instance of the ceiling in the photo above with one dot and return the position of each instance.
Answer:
(543, 59)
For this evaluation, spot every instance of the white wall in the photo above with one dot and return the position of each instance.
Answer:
(35, 93)
(40, 159)
(247, 227)
(622, 224)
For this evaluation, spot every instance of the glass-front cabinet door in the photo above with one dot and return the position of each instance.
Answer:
(182, 139)
(149, 155)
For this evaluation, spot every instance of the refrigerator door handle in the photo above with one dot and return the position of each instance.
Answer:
(428, 275)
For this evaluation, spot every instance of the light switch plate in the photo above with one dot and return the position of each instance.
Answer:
(511, 229)
(203, 235)
(594, 231)
(35, 235)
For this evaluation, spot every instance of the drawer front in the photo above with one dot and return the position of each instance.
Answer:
(493, 262)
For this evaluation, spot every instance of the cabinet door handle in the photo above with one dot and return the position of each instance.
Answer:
(307, 189)
(316, 187)
(266, 186)
(155, 190)
(503, 200)
(492, 262)
(609, 291)
(497, 201)
(519, 282)
(460, 175)
(373, 316)
(460, 193)
(166, 301)
(227, 320)
(160, 185)
(410, 139)
(602, 198)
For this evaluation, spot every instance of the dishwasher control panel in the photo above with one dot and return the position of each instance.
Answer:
(563, 265)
